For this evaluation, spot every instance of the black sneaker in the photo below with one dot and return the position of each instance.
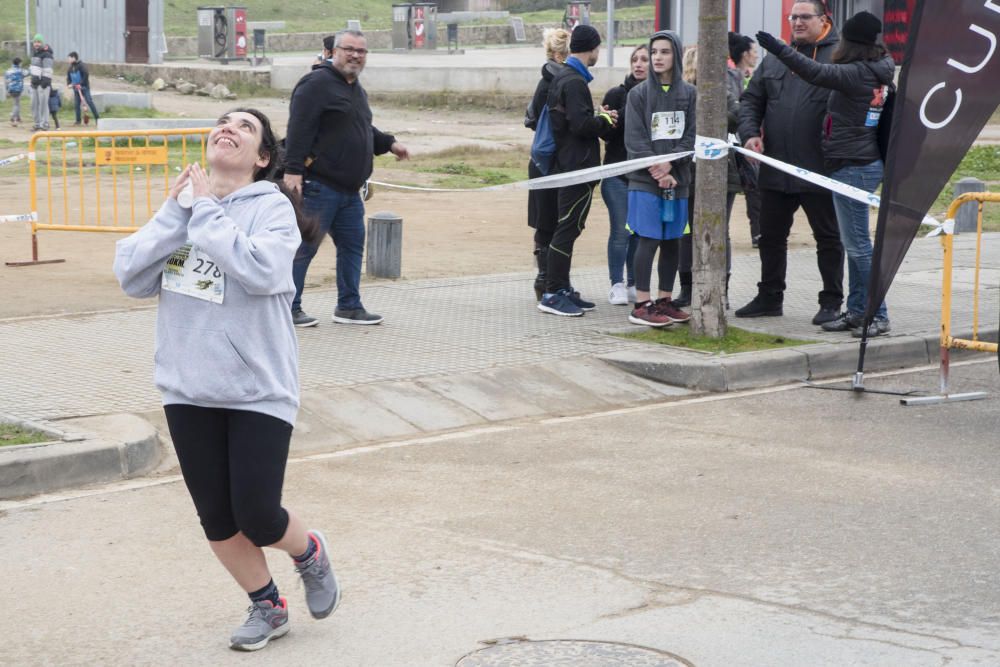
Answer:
(355, 316)
(760, 308)
(876, 328)
(826, 315)
(300, 319)
(580, 302)
(845, 322)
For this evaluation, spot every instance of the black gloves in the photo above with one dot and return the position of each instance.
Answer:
(769, 42)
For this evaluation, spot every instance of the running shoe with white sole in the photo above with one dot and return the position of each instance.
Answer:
(618, 296)
(322, 587)
(264, 623)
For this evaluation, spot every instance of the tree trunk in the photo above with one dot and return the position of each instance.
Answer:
(708, 311)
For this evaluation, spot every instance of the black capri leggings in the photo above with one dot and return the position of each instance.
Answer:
(233, 462)
(666, 268)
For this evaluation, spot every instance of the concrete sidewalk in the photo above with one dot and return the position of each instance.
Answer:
(459, 352)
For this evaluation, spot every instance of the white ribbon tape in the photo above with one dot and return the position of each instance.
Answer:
(23, 217)
(705, 148)
(11, 160)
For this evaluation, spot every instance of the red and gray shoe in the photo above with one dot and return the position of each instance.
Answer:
(666, 308)
(264, 623)
(647, 314)
(322, 587)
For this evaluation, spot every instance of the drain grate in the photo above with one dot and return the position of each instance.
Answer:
(570, 653)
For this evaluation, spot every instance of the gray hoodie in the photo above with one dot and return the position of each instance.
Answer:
(241, 353)
(649, 105)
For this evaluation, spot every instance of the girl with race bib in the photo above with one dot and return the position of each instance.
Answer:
(660, 116)
(218, 255)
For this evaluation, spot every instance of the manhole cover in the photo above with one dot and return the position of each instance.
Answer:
(570, 653)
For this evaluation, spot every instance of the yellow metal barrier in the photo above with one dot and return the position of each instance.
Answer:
(949, 342)
(104, 181)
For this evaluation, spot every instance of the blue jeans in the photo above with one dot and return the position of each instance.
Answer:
(621, 243)
(342, 216)
(85, 93)
(852, 218)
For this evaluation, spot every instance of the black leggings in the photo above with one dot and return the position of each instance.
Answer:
(233, 462)
(666, 269)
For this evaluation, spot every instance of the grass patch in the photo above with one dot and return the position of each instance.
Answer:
(982, 162)
(735, 340)
(15, 435)
(465, 166)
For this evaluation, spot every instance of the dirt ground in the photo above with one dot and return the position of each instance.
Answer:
(444, 234)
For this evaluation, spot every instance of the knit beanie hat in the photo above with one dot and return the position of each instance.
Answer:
(863, 28)
(584, 38)
(738, 45)
(38, 38)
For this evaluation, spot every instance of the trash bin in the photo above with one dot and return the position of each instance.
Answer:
(452, 36)
(424, 21)
(401, 27)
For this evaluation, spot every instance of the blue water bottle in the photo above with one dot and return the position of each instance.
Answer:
(668, 205)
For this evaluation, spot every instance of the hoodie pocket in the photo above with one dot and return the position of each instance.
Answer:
(203, 365)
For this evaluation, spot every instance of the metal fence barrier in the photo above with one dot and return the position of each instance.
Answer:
(103, 181)
(949, 342)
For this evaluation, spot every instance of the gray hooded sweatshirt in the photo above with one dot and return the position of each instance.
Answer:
(238, 351)
(659, 122)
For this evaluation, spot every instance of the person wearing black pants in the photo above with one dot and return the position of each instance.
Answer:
(218, 255)
(777, 212)
(576, 131)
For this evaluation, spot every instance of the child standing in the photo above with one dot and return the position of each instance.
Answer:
(14, 83)
(55, 103)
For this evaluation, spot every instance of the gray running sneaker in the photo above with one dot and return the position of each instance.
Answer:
(264, 623)
(322, 587)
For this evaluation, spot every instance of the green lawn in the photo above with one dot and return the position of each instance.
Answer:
(982, 162)
(735, 340)
(15, 435)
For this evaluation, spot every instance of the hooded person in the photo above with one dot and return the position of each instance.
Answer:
(659, 120)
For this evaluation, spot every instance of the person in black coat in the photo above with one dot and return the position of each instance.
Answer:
(543, 205)
(78, 78)
(781, 116)
(859, 80)
(614, 191)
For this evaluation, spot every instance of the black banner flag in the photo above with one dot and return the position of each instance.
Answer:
(949, 87)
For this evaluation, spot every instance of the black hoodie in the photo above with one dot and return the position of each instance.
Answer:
(575, 127)
(329, 119)
(614, 143)
(788, 112)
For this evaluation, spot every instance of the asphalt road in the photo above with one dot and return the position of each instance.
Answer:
(789, 526)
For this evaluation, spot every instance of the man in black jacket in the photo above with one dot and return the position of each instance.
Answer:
(576, 130)
(78, 78)
(329, 152)
(789, 113)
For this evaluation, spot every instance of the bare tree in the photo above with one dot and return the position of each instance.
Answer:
(708, 313)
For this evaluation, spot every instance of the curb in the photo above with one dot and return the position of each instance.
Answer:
(77, 457)
(748, 370)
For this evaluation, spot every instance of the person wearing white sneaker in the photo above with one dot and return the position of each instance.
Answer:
(618, 296)
(227, 360)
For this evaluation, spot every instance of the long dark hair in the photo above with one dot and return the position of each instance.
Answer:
(849, 52)
(271, 148)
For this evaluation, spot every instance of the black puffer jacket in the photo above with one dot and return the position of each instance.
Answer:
(788, 112)
(614, 143)
(330, 128)
(856, 89)
(541, 96)
(575, 127)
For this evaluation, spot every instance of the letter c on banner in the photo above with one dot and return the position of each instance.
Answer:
(923, 108)
(993, 47)
(992, 5)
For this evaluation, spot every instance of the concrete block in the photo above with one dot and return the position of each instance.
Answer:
(351, 412)
(613, 384)
(704, 374)
(419, 406)
(312, 433)
(30, 470)
(896, 352)
(547, 389)
(484, 396)
(764, 368)
(103, 100)
(831, 359)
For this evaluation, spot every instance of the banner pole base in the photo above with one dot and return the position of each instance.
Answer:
(946, 398)
(32, 262)
(858, 383)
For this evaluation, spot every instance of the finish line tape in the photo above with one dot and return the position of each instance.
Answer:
(23, 217)
(705, 149)
(11, 160)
